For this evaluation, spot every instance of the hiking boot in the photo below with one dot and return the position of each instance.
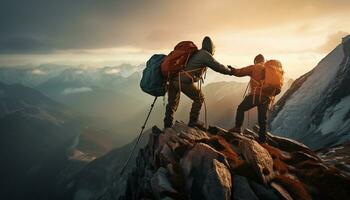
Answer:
(198, 124)
(235, 129)
(262, 138)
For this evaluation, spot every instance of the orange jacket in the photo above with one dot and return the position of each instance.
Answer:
(256, 73)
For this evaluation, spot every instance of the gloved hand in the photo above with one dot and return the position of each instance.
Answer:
(232, 69)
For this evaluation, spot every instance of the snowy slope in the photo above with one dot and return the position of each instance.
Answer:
(317, 111)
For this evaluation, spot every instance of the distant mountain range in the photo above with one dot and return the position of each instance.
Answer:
(37, 135)
(112, 97)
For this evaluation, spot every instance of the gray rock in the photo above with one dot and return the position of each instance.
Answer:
(160, 183)
(200, 157)
(300, 156)
(189, 133)
(197, 166)
(263, 192)
(251, 134)
(242, 189)
(259, 158)
(284, 194)
(287, 144)
(217, 184)
(166, 156)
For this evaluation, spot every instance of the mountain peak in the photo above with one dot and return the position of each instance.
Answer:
(315, 108)
(346, 39)
(187, 163)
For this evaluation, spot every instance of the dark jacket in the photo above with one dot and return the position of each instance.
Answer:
(199, 61)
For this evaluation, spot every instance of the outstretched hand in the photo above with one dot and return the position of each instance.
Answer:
(232, 69)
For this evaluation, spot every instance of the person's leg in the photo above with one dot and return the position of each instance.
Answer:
(262, 117)
(196, 95)
(246, 104)
(173, 103)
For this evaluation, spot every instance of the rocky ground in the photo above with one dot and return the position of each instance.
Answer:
(187, 163)
(337, 156)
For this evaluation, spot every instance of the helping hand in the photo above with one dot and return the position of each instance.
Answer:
(232, 69)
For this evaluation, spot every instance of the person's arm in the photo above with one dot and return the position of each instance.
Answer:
(213, 64)
(245, 71)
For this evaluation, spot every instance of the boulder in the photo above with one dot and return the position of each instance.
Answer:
(202, 166)
(301, 156)
(284, 194)
(242, 189)
(189, 133)
(294, 187)
(166, 156)
(200, 157)
(263, 192)
(191, 164)
(160, 183)
(259, 158)
(217, 184)
(221, 145)
(251, 134)
(283, 143)
(287, 144)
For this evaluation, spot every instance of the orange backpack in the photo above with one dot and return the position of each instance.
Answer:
(178, 58)
(273, 82)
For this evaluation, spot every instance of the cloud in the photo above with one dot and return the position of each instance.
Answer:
(69, 91)
(112, 71)
(25, 44)
(38, 72)
(332, 41)
(44, 26)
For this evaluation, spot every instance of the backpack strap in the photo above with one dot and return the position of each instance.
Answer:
(246, 90)
(260, 83)
(187, 72)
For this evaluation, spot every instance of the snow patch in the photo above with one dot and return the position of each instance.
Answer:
(294, 118)
(333, 118)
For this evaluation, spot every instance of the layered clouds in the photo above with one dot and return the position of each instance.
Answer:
(108, 31)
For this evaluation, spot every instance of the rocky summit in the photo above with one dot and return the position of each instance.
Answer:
(187, 163)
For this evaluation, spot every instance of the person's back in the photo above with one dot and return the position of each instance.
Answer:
(255, 98)
(257, 75)
(199, 61)
(195, 67)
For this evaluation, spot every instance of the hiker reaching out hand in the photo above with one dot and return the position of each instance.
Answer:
(184, 82)
(265, 83)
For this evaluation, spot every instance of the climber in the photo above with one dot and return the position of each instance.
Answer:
(194, 70)
(260, 95)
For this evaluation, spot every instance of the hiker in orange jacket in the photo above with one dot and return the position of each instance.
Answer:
(255, 98)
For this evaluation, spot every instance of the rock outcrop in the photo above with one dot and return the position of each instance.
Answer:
(187, 163)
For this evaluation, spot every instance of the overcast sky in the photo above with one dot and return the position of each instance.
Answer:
(108, 32)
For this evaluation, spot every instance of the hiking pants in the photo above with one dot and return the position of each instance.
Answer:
(192, 92)
(247, 104)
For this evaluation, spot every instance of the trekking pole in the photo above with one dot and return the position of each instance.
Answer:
(205, 115)
(139, 137)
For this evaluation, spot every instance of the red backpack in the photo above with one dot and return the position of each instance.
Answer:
(178, 58)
